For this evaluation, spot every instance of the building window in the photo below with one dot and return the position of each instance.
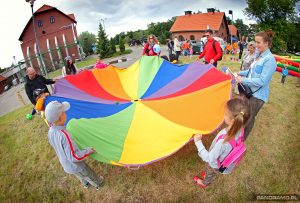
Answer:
(181, 38)
(52, 19)
(192, 37)
(40, 24)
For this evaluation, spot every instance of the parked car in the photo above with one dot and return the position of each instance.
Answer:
(196, 46)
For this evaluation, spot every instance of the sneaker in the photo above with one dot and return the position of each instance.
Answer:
(199, 182)
(202, 175)
(87, 185)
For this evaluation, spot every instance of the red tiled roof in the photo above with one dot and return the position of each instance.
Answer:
(72, 16)
(196, 22)
(232, 30)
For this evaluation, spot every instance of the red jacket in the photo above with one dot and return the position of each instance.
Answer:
(210, 53)
(148, 50)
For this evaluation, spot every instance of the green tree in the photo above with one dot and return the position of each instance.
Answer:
(278, 15)
(243, 29)
(86, 40)
(122, 44)
(112, 46)
(252, 30)
(116, 39)
(102, 43)
(270, 11)
(161, 29)
(229, 21)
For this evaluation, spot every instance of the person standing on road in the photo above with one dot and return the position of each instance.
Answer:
(35, 81)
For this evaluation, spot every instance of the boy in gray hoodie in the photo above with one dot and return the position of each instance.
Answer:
(69, 155)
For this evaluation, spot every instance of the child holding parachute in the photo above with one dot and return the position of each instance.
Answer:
(228, 147)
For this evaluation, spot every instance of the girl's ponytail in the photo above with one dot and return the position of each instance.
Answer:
(240, 113)
(237, 124)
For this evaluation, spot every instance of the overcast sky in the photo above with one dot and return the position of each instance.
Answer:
(120, 15)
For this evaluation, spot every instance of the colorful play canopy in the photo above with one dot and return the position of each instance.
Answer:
(143, 113)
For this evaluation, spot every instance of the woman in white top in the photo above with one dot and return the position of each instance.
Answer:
(248, 57)
(177, 47)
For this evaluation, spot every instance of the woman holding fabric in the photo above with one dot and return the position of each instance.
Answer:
(258, 77)
(148, 48)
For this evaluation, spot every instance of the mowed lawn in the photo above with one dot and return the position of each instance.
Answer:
(31, 172)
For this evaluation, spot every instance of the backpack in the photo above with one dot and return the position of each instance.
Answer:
(214, 47)
(233, 159)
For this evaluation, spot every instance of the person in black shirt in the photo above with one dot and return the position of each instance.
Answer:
(35, 81)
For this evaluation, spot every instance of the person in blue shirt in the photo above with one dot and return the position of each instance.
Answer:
(284, 73)
(259, 76)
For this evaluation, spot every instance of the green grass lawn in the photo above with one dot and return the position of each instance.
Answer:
(31, 172)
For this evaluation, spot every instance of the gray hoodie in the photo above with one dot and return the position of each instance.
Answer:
(68, 153)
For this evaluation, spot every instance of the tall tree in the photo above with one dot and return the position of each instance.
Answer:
(122, 44)
(112, 46)
(161, 29)
(229, 21)
(86, 40)
(102, 43)
(270, 11)
(278, 15)
(243, 29)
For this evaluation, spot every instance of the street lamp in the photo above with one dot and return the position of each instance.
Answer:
(230, 12)
(44, 71)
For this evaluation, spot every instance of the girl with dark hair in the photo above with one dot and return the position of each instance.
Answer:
(69, 68)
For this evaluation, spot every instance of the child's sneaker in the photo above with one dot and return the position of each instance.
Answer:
(87, 185)
(199, 182)
(202, 175)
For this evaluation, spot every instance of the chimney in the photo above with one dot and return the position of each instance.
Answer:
(187, 13)
(211, 10)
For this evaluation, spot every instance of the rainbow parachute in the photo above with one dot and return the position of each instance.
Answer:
(143, 113)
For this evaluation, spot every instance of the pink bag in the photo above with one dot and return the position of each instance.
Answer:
(233, 159)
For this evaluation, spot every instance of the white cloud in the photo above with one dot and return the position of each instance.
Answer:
(121, 15)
